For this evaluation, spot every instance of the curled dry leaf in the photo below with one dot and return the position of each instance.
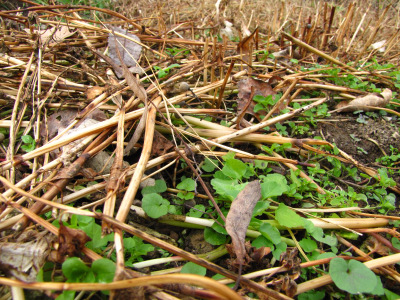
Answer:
(286, 284)
(25, 257)
(56, 34)
(244, 46)
(375, 246)
(239, 216)
(71, 242)
(362, 103)
(94, 92)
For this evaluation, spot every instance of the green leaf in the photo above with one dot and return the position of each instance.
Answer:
(162, 74)
(218, 228)
(390, 295)
(104, 270)
(318, 234)
(308, 245)
(154, 205)
(279, 249)
(271, 233)
(66, 295)
(259, 98)
(187, 184)
(312, 295)
(326, 255)
(378, 290)
(192, 268)
(159, 187)
(74, 269)
(260, 164)
(396, 243)
(262, 241)
(260, 207)
(234, 168)
(228, 189)
(27, 139)
(136, 247)
(273, 185)
(287, 217)
(197, 212)
(209, 164)
(352, 276)
(84, 220)
(29, 142)
(213, 237)
(28, 148)
(185, 195)
(94, 231)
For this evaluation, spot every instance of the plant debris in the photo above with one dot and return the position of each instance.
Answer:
(123, 132)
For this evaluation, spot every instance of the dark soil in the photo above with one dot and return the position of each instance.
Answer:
(365, 142)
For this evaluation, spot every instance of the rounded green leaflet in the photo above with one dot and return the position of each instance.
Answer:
(352, 276)
(104, 270)
(74, 269)
(188, 184)
(154, 205)
(192, 268)
(213, 237)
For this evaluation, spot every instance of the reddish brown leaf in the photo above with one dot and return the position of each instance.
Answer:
(260, 88)
(239, 216)
(244, 45)
(160, 145)
(71, 242)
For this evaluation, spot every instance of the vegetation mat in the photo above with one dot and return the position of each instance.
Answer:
(199, 149)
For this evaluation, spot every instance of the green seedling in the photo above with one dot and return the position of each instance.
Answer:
(188, 185)
(163, 72)
(75, 270)
(173, 52)
(153, 203)
(29, 143)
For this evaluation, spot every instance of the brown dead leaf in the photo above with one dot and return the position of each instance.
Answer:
(290, 259)
(258, 255)
(160, 144)
(56, 34)
(288, 285)
(129, 50)
(375, 246)
(131, 80)
(94, 92)
(71, 242)
(24, 258)
(244, 45)
(239, 216)
(60, 120)
(260, 88)
(363, 103)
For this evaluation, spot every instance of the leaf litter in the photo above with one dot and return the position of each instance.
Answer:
(220, 79)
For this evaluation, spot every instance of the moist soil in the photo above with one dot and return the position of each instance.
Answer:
(365, 141)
